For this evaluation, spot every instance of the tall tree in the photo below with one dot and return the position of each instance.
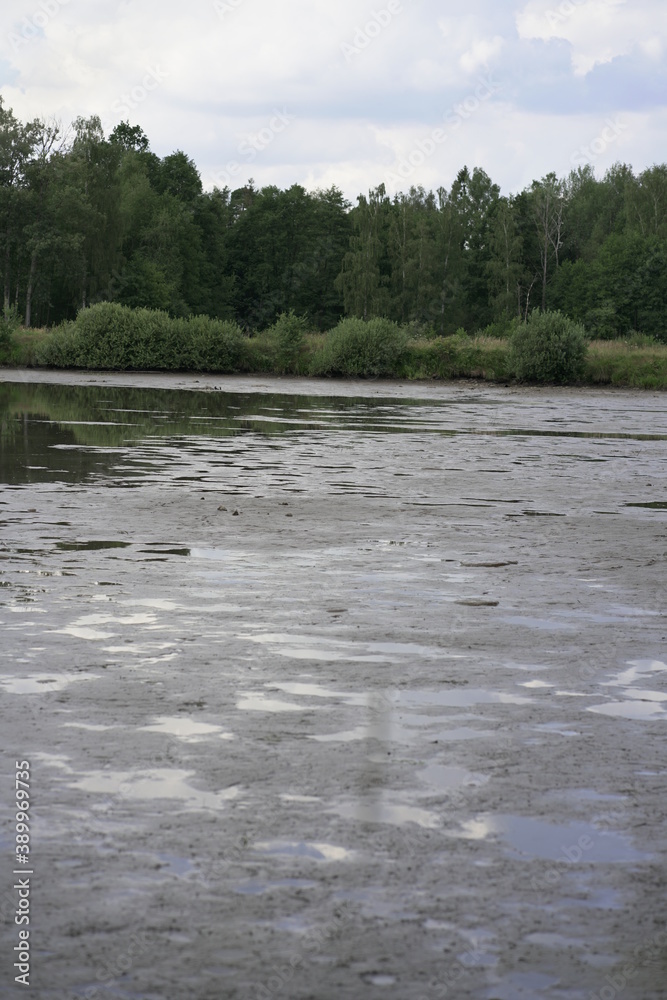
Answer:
(364, 278)
(548, 199)
(40, 233)
(505, 268)
(17, 143)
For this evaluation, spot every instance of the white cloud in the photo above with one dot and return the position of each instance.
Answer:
(598, 31)
(481, 53)
(220, 75)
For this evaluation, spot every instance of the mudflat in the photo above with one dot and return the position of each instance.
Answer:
(334, 689)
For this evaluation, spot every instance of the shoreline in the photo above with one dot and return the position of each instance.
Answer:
(305, 384)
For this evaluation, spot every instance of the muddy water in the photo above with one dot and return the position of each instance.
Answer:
(336, 690)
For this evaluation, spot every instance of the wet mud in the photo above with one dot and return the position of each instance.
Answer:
(335, 690)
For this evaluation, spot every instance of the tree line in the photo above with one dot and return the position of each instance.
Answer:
(86, 218)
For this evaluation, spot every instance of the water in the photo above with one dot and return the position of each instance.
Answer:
(316, 679)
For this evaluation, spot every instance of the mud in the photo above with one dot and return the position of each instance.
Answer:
(335, 690)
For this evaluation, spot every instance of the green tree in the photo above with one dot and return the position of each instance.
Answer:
(548, 199)
(17, 144)
(505, 268)
(364, 277)
(475, 197)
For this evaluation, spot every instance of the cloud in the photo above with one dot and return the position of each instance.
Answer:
(202, 78)
(481, 53)
(598, 31)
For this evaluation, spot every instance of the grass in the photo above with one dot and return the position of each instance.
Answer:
(635, 363)
(24, 344)
(620, 362)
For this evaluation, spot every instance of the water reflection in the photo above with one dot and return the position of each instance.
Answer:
(66, 433)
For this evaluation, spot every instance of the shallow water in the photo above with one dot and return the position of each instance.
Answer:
(319, 670)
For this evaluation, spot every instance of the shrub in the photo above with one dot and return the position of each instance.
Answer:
(289, 332)
(549, 347)
(60, 349)
(108, 335)
(362, 348)
(211, 345)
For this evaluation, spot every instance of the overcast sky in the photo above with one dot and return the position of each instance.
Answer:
(322, 92)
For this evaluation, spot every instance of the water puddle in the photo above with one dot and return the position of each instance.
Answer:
(258, 887)
(641, 711)
(42, 683)
(323, 649)
(303, 849)
(445, 778)
(533, 838)
(286, 797)
(172, 864)
(458, 697)
(545, 624)
(389, 807)
(639, 704)
(258, 701)
(187, 729)
(522, 986)
(85, 626)
(318, 691)
(154, 784)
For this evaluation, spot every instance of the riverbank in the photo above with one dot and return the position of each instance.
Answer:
(635, 363)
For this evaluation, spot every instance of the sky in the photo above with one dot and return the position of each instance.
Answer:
(338, 92)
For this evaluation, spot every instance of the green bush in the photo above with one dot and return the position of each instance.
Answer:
(361, 348)
(60, 349)
(549, 347)
(108, 335)
(289, 332)
(211, 345)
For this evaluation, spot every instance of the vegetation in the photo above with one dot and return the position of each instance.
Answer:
(357, 347)
(114, 257)
(110, 336)
(549, 347)
(88, 218)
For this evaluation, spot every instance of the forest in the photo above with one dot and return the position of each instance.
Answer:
(87, 218)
